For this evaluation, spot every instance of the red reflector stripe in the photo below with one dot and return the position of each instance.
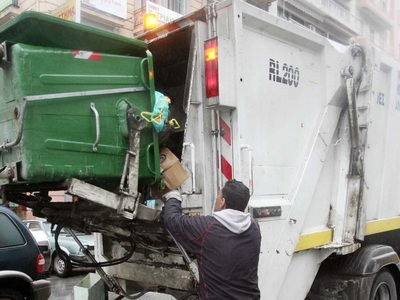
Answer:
(173, 27)
(227, 132)
(226, 168)
(151, 36)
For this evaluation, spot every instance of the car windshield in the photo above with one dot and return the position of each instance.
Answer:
(35, 227)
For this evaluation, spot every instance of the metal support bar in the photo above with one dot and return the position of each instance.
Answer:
(131, 168)
(193, 164)
(193, 268)
(250, 165)
(108, 199)
(356, 168)
(355, 221)
(110, 282)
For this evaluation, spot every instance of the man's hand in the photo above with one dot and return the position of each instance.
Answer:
(175, 194)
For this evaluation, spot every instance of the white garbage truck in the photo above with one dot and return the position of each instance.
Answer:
(309, 125)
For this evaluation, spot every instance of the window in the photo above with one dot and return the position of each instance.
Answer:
(398, 17)
(97, 24)
(9, 233)
(383, 39)
(177, 5)
(384, 5)
(34, 227)
(372, 34)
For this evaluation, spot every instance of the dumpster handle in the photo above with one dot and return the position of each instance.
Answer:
(97, 118)
(143, 71)
(151, 145)
(6, 145)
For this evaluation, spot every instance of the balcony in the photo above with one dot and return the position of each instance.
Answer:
(8, 14)
(330, 10)
(8, 10)
(260, 2)
(377, 11)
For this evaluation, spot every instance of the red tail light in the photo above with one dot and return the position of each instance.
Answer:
(211, 67)
(40, 263)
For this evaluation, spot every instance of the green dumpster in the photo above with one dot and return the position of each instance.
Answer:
(66, 90)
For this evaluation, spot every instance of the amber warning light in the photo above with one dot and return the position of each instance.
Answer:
(149, 21)
(211, 67)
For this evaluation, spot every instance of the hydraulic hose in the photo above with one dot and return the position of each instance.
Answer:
(66, 257)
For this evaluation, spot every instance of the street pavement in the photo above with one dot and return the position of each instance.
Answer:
(63, 288)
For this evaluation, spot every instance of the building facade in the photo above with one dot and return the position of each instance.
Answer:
(124, 17)
(376, 21)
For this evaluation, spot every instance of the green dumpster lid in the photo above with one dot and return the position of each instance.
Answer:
(39, 29)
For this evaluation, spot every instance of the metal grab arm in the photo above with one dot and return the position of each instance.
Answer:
(131, 168)
(111, 284)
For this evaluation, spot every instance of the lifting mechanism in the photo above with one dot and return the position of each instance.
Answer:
(356, 172)
(121, 207)
(129, 204)
(126, 203)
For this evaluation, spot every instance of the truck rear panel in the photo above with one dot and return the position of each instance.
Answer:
(280, 123)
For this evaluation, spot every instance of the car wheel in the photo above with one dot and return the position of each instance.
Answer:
(61, 267)
(9, 294)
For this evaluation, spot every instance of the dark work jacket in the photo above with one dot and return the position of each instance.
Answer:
(228, 262)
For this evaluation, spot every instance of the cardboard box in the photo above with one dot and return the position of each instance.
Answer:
(173, 172)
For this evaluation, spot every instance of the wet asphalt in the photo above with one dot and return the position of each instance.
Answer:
(63, 288)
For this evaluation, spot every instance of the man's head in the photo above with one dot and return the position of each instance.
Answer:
(234, 195)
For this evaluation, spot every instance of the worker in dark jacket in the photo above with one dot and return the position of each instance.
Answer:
(226, 244)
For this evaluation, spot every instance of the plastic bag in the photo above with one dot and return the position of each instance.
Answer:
(160, 112)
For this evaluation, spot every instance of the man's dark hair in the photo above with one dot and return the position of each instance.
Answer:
(236, 195)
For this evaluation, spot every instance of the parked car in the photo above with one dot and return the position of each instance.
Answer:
(44, 246)
(22, 265)
(60, 266)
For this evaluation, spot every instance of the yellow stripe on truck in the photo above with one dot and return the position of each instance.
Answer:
(315, 239)
(382, 225)
(321, 238)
